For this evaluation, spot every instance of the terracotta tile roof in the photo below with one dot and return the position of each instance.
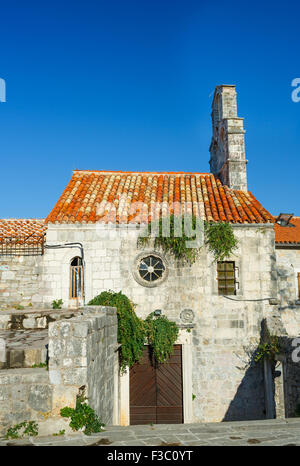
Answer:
(22, 228)
(288, 235)
(130, 197)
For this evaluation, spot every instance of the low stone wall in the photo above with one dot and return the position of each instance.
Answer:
(83, 355)
(25, 394)
(83, 360)
(33, 319)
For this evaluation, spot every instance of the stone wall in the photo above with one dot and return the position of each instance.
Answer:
(225, 330)
(288, 265)
(20, 280)
(83, 355)
(25, 394)
(83, 360)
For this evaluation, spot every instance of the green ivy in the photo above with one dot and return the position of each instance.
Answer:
(175, 245)
(161, 334)
(82, 416)
(268, 348)
(133, 332)
(220, 239)
(30, 428)
(57, 304)
(218, 236)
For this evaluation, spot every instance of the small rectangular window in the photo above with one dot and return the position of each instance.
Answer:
(226, 278)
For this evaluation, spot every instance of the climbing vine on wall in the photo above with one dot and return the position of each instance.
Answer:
(161, 334)
(268, 348)
(218, 236)
(220, 239)
(131, 333)
(134, 332)
(177, 245)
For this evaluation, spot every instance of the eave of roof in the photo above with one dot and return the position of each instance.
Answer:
(22, 227)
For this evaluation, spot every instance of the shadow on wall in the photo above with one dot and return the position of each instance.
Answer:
(266, 392)
(249, 401)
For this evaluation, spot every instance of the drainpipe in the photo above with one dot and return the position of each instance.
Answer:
(73, 245)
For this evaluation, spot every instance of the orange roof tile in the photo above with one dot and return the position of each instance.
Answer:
(288, 234)
(137, 197)
(22, 227)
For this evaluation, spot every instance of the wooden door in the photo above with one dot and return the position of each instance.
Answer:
(156, 390)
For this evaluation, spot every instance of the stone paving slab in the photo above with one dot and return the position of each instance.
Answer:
(276, 432)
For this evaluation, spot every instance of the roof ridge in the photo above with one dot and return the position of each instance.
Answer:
(18, 219)
(143, 172)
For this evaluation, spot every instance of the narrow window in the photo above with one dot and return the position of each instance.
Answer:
(76, 276)
(226, 278)
(298, 281)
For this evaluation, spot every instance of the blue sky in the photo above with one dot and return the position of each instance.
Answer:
(128, 85)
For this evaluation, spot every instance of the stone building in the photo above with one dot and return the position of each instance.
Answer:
(88, 244)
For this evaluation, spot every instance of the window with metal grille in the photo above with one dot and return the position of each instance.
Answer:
(76, 278)
(226, 278)
(151, 268)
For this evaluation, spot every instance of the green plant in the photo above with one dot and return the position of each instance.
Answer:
(193, 397)
(30, 428)
(19, 307)
(57, 304)
(40, 365)
(131, 333)
(161, 334)
(61, 432)
(82, 416)
(177, 245)
(220, 239)
(218, 236)
(267, 348)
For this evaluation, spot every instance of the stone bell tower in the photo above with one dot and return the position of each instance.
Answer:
(227, 149)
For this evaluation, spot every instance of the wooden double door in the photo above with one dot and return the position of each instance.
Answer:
(156, 394)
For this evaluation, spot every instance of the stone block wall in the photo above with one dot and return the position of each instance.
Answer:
(83, 357)
(83, 360)
(20, 280)
(224, 329)
(25, 395)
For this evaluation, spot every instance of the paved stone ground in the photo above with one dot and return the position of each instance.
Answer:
(259, 433)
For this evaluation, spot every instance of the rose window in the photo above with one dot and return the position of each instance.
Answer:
(151, 268)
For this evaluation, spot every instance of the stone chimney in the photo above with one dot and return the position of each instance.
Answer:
(227, 149)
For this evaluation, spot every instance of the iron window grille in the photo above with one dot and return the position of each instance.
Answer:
(76, 278)
(151, 268)
(226, 276)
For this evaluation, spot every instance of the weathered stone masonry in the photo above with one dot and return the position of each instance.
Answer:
(83, 360)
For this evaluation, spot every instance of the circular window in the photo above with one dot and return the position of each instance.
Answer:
(150, 270)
